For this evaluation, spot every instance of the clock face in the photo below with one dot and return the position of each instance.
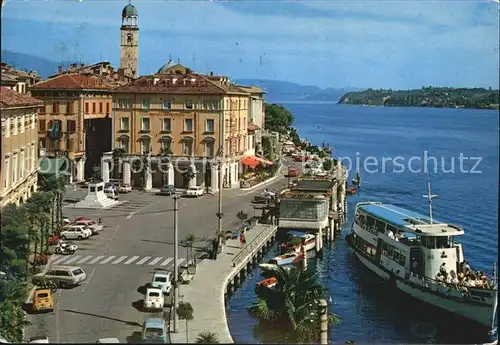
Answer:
(42, 152)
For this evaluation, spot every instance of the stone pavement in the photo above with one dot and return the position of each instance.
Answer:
(206, 292)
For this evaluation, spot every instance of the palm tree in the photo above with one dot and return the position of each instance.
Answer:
(140, 165)
(118, 155)
(188, 175)
(165, 155)
(207, 337)
(294, 303)
(185, 312)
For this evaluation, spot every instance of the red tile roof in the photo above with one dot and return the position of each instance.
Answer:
(191, 83)
(74, 81)
(11, 98)
(252, 127)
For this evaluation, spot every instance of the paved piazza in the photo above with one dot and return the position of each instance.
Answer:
(136, 240)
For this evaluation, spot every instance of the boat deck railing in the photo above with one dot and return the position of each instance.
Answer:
(254, 245)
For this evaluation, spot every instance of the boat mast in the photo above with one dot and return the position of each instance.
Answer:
(429, 197)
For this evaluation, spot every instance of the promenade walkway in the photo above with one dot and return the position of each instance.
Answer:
(206, 291)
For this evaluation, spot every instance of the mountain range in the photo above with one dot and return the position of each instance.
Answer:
(276, 90)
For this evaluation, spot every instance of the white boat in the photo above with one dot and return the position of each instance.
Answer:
(309, 240)
(412, 251)
(287, 259)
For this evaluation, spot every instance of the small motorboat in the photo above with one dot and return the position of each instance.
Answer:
(287, 259)
(351, 191)
(296, 241)
(265, 286)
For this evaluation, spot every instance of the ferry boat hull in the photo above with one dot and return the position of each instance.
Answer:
(482, 314)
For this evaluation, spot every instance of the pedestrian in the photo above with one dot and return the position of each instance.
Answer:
(283, 248)
(215, 248)
(100, 221)
(243, 239)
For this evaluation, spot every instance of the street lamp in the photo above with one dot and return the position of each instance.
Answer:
(175, 197)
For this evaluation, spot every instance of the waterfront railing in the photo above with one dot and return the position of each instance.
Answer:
(254, 245)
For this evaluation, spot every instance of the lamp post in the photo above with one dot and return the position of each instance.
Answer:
(176, 261)
(220, 162)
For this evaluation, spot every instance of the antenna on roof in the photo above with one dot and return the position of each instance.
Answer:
(429, 196)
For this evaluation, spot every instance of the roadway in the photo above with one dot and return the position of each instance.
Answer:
(137, 239)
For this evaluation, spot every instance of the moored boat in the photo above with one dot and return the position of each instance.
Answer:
(420, 257)
(287, 259)
(352, 190)
(297, 238)
(265, 286)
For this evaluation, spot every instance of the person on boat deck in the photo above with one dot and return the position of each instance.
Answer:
(283, 247)
(442, 269)
(390, 234)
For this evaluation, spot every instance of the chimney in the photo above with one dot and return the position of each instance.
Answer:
(60, 69)
(72, 68)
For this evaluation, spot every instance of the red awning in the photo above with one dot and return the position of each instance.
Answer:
(253, 161)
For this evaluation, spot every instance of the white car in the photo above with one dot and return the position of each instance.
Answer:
(195, 191)
(90, 224)
(124, 188)
(75, 232)
(153, 299)
(162, 280)
(108, 341)
(39, 340)
(111, 193)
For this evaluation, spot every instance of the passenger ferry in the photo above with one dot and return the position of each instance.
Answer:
(421, 258)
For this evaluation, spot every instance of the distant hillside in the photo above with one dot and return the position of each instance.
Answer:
(278, 90)
(21, 61)
(436, 97)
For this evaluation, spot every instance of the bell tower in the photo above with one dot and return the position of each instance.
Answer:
(129, 55)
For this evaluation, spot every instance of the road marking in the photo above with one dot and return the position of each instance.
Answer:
(143, 260)
(166, 262)
(119, 260)
(96, 259)
(105, 261)
(59, 260)
(155, 261)
(132, 259)
(111, 239)
(74, 258)
(84, 259)
(131, 214)
(88, 280)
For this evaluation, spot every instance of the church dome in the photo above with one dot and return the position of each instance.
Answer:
(129, 11)
(166, 66)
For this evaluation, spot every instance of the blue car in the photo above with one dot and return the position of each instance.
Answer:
(155, 330)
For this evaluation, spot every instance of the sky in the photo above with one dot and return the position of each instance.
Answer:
(377, 44)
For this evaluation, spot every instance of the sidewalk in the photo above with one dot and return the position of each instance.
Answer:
(206, 292)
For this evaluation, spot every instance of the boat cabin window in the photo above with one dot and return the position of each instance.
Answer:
(394, 254)
(392, 228)
(444, 242)
(367, 248)
(385, 248)
(380, 226)
(429, 242)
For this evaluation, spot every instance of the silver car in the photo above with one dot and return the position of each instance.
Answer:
(63, 276)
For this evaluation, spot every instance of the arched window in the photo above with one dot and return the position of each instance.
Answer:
(129, 38)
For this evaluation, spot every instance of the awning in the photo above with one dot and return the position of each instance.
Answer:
(253, 161)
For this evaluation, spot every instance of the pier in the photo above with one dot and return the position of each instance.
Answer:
(215, 280)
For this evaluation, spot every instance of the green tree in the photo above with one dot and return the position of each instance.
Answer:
(118, 155)
(242, 216)
(278, 118)
(165, 156)
(187, 175)
(14, 240)
(185, 312)
(327, 164)
(294, 304)
(141, 165)
(12, 321)
(207, 337)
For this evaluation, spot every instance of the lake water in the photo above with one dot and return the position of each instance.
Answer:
(467, 197)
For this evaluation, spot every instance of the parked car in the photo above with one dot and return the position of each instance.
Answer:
(124, 188)
(43, 300)
(64, 276)
(162, 280)
(154, 329)
(195, 191)
(39, 340)
(90, 224)
(167, 190)
(153, 299)
(75, 232)
(111, 193)
(110, 186)
(108, 341)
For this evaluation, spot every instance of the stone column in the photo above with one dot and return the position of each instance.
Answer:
(127, 172)
(105, 171)
(320, 238)
(331, 229)
(170, 174)
(214, 180)
(317, 244)
(149, 177)
(192, 181)
(304, 257)
(80, 170)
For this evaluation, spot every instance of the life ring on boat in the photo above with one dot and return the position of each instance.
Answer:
(423, 330)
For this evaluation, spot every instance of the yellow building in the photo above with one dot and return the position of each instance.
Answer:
(75, 121)
(19, 149)
(183, 111)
